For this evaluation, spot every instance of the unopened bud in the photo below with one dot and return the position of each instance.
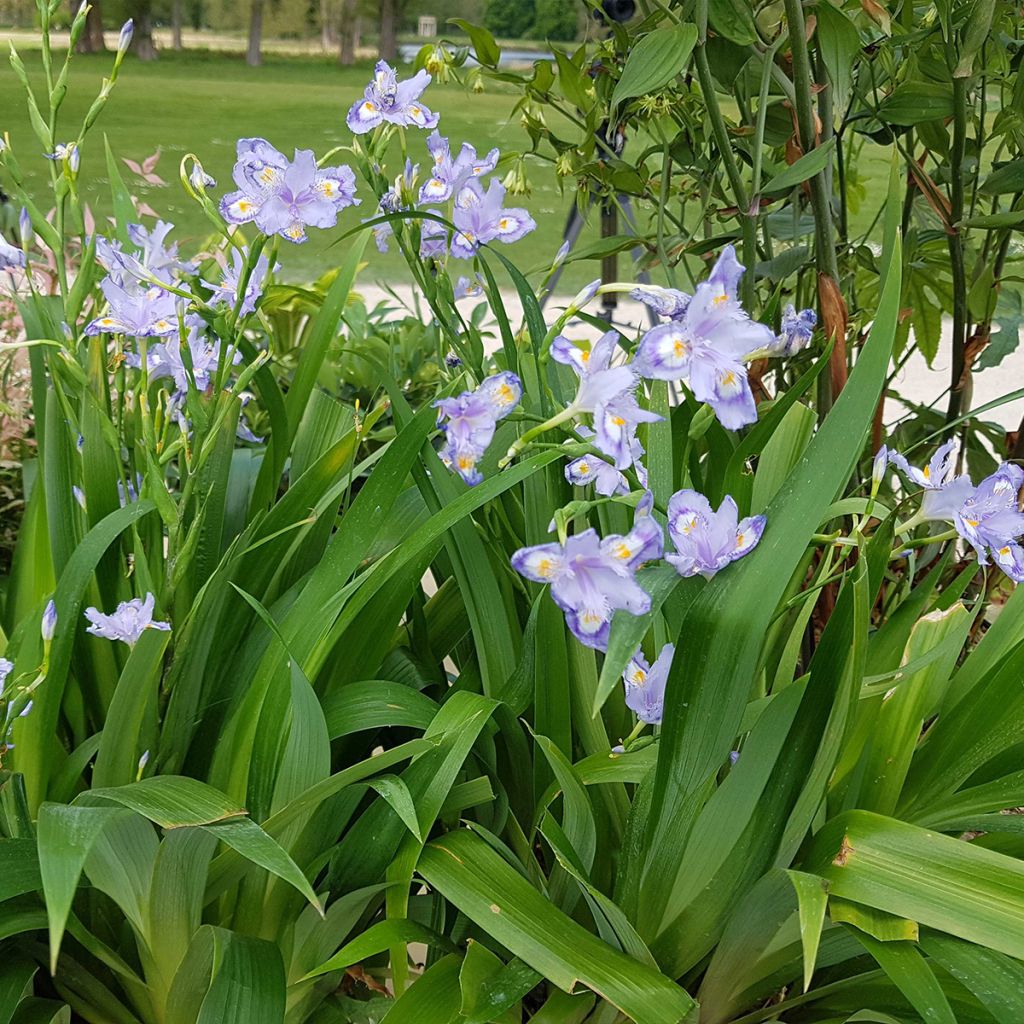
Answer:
(48, 626)
(124, 40)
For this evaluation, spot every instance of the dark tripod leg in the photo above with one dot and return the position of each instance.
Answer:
(573, 227)
(643, 277)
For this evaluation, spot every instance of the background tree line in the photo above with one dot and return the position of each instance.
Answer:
(343, 25)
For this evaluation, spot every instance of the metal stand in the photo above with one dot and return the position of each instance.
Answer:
(609, 263)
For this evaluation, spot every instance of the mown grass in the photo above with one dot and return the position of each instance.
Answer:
(202, 101)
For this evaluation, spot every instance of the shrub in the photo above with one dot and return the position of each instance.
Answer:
(618, 669)
(557, 20)
(509, 19)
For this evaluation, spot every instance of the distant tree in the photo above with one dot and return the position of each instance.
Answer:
(177, 16)
(556, 19)
(390, 12)
(141, 12)
(349, 32)
(509, 19)
(254, 57)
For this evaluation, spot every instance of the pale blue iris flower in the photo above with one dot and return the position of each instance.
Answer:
(645, 684)
(706, 341)
(470, 420)
(386, 99)
(591, 578)
(990, 520)
(707, 540)
(127, 622)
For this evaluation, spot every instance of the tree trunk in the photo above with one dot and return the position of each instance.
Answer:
(349, 31)
(176, 19)
(254, 58)
(328, 35)
(389, 29)
(92, 38)
(142, 41)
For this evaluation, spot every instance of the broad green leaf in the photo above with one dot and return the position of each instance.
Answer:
(118, 755)
(1008, 177)
(914, 698)
(498, 899)
(654, 61)
(434, 999)
(479, 967)
(247, 838)
(839, 44)
(943, 883)
(914, 102)
(812, 898)
(986, 722)
(486, 49)
(881, 926)
(910, 973)
(248, 985)
(377, 938)
(997, 981)
(34, 733)
(172, 801)
(734, 19)
(66, 836)
(805, 167)
(20, 873)
(15, 975)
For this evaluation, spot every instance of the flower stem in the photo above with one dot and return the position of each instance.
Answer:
(524, 439)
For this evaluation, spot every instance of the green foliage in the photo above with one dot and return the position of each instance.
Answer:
(369, 773)
(557, 20)
(509, 19)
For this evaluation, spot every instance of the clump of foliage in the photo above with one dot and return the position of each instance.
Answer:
(622, 671)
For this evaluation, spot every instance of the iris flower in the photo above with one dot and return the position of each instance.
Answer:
(645, 684)
(796, 332)
(706, 340)
(227, 292)
(166, 360)
(706, 540)
(944, 491)
(285, 197)
(154, 257)
(388, 100)
(449, 173)
(135, 310)
(591, 578)
(470, 419)
(127, 622)
(480, 217)
(11, 257)
(991, 522)
(606, 391)
(589, 469)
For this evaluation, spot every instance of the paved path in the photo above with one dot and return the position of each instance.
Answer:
(916, 380)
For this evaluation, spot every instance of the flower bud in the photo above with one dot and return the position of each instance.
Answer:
(563, 251)
(48, 626)
(586, 294)
(25, 228)
(124, 40)
(200, 179)
(72, 158)
(878, 467)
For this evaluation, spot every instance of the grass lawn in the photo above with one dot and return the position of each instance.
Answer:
(201, 102)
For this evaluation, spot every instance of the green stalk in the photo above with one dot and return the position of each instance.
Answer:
(956, 248)
(748, 225)
(821, 207)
